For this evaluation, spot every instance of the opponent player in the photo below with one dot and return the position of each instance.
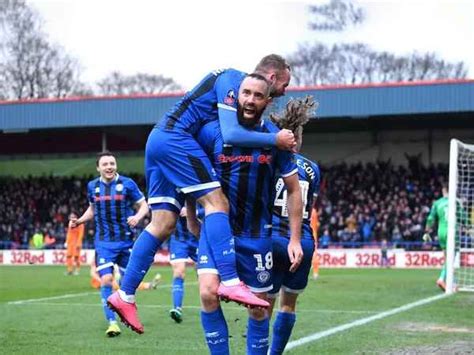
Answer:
(247, 176)
(112, 199)
(315, 227)
(439, 214)
(175, 164)
(74, 246)
(286, 282)
(183, 246)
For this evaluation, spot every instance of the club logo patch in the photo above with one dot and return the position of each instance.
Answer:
(230, 98)
(119, 187)
(263, 276)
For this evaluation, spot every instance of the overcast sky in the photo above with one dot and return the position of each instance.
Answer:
(186, 39)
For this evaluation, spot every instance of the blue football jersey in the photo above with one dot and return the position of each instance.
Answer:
(219, 88)
(309, 178)
(113, 203)
(247, 177)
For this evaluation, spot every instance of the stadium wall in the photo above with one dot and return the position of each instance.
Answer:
(329, 258)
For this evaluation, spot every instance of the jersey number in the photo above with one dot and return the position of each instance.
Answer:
(268, 261)
(282, 197)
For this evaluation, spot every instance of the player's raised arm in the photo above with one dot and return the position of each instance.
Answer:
(235, 134)
(276, 72)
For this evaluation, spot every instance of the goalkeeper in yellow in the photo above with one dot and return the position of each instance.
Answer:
(439, 214)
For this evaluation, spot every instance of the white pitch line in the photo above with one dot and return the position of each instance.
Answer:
(72, 295)
(316, 336)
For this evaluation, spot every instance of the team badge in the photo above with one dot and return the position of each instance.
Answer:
(97, 190)
(119, 187)
(263, 276)
(230, 98)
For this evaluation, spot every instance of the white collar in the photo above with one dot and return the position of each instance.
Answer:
(114, 180)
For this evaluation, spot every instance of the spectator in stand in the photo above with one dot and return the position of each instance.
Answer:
(325, 239)
(396, 199)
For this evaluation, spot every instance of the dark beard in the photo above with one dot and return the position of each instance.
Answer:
(247, 123)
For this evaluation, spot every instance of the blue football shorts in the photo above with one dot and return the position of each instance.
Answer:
(292, 282)
(254, 261)
(108, 255)
(181, 250)
(175, 164)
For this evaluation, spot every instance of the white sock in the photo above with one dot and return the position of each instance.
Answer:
(231, 282)
(125, 297)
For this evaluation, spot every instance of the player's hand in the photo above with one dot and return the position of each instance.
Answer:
(132, 221)
(427, 238)
(285, 140)
(295, 252)
(73, 223)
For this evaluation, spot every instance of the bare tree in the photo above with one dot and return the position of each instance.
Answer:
(357, 63)
(337, 15)
(32, 67)
(119, 84)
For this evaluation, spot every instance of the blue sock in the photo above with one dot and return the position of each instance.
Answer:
(215, 331)
(105, 292)
(178, 292)
(282, 328)
(142, 257)
(221, 242)
(257, 336)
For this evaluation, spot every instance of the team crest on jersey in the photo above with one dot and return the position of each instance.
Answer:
(230, 98)
(119, 187)
(97, 190)
(263, 276)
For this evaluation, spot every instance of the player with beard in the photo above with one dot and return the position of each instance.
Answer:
(176, 165)
(247, 178)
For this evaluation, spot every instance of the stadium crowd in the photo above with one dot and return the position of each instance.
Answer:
(359, 204)
(363, 204)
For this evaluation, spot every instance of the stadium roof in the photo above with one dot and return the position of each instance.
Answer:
(348, 101)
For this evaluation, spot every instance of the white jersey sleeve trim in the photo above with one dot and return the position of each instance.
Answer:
(290, 173)
(140, 199)
(226, 107)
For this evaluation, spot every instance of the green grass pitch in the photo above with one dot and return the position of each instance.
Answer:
(64, 315)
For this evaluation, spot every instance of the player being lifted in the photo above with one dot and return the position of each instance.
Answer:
(112, 199)
(247, 176)
(175, 165)
(290, 283)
